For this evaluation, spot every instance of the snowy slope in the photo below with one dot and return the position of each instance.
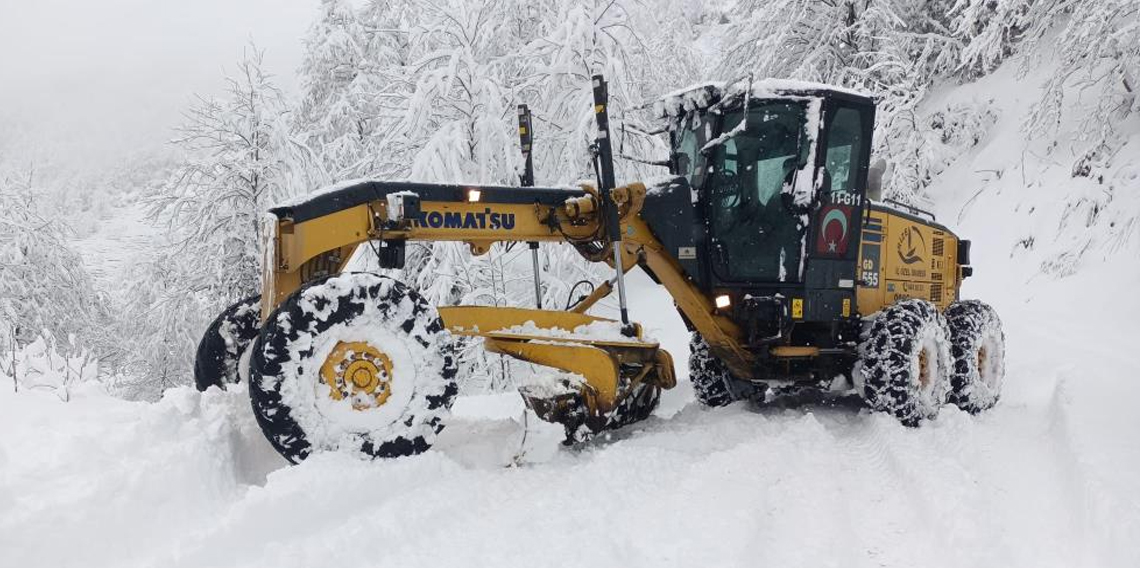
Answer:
(113, 244)
(1048, 478)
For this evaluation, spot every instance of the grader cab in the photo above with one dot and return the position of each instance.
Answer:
(786, 272)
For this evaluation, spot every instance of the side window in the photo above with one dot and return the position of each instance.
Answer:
(688, 140)
(845, 147)
(686, 151)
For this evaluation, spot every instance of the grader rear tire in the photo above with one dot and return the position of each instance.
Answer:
(221, 347)
(977, 344)
(904, 366)
(358, 362)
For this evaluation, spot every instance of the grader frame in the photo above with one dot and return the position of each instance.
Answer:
(394, 213)
(800, 330)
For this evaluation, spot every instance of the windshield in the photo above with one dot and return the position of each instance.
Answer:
(742, 175)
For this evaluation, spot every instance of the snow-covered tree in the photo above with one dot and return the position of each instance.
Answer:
(989, 29)
(45, 290)
(1097, 48)
(161, 320)
(344, 81)
(893, 49)
(242, 158)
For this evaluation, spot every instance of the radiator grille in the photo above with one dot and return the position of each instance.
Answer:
(321, 265)
(936, 292)
(939, 246)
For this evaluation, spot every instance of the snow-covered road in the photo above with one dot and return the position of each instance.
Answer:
(1048, 478)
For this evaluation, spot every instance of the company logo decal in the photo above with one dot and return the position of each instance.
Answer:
(485, 219)
(912, 246)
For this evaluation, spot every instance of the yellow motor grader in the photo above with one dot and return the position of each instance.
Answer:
(769, 236)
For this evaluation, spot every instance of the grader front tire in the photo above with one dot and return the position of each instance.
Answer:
(358, 362)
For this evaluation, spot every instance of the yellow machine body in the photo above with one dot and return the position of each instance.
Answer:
(320, 246)
(903, 257)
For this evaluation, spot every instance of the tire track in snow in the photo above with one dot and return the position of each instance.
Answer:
(1100, 515)
(815, 485)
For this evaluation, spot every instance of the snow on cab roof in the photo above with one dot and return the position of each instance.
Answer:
(704, 95)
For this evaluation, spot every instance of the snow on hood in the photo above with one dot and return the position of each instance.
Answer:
(704, 95)
(305, 197)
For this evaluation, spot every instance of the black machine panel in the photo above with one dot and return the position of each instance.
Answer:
(671, 215)
(357, 193)
(818, 282)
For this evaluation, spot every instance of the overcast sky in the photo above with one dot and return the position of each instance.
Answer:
(96, 79)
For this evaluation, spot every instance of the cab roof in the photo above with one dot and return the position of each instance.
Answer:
(716, 94)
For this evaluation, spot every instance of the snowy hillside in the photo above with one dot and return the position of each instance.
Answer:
(110, 458)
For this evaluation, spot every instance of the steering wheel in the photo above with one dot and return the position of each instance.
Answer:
(728, 195)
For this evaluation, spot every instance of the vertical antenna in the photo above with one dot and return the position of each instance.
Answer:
(525, 140)
(527, 179)
(605, 158)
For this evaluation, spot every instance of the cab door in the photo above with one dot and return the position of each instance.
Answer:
(833, 245)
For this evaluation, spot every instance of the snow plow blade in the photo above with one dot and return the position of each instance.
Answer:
(613, 367)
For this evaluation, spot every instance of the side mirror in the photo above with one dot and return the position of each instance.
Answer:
(875, 176)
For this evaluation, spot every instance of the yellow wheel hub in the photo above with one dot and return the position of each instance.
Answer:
(359, 372)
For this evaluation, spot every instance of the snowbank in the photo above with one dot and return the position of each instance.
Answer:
(99, 481)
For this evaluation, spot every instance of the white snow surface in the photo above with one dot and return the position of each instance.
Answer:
(1047, 478)
(601, 330)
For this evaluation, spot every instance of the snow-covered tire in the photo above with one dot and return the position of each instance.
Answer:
(977, 345)
(710, 376)
(337, 325)
(904, 366)
(221, 347)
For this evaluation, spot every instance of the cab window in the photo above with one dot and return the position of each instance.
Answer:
(845, 148)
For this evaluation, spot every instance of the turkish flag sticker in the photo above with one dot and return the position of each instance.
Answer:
(834, 228)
